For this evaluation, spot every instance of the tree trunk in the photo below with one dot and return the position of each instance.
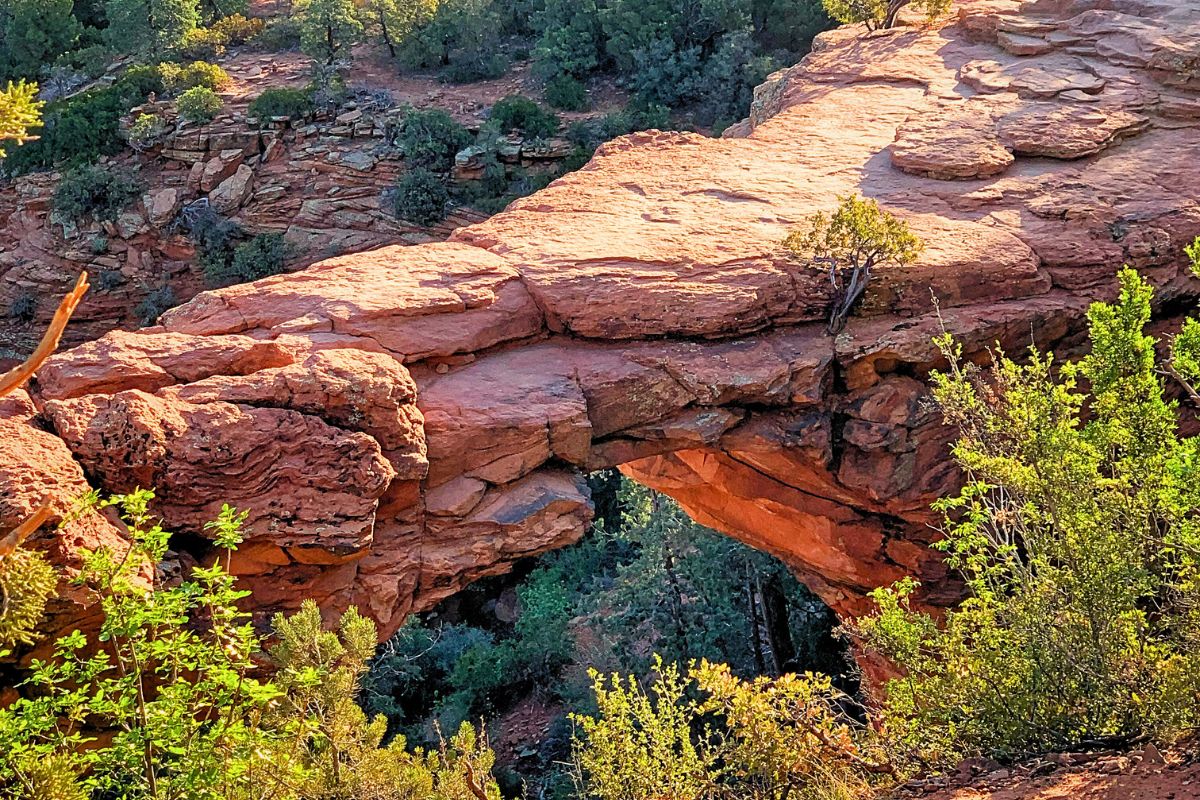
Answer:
(779, 629)
(894, 7)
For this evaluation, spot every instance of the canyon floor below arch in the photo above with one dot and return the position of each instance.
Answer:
(403, 421)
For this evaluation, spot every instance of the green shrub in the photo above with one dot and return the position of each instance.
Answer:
(281, 102)
(95, 192)
(198, 104)
(26, 581)
(420, 197)
(262, 256)
(92, 60)
(778, 737)
(237, 28)
(178, 688)
(430, 139)
(146, 131)
(177, 78)
(23, 308)
(203, 43)
(84, 126)
(156, 303)
(566, 93)
(279, 34)
(518, 113)
(33, 33)
(879, 13)
(1078, 538)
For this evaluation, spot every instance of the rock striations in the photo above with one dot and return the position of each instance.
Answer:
(402, 421)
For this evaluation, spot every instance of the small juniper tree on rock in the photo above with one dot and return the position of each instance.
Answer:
(852, 242)
(328, 28)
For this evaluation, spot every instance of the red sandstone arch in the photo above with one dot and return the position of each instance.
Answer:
(402, 421)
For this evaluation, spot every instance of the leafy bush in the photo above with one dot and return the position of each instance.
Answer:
(1079, 542)
(279, 34)
(203, 43)
(463, 37)
(146, 131)
(156, 303)
(97, 192)
(420, 197)
(430, 139)
(149, 26)
(261, 256)
(176, 78)
(33, 33)
(880, 13)
(281, 102)
(852, 241)
(566, 93)
(519, 113)
(237, 28)
(198, 104)
(84, 126)
(26, 581)
(780, 737)
(23, 308)
(92, 60)
(177, 687)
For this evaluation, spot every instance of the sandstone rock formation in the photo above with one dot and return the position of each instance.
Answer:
(402, 421)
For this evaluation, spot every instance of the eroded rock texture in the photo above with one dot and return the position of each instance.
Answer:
(402, 421)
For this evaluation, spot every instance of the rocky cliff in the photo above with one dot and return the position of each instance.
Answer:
(402, 421)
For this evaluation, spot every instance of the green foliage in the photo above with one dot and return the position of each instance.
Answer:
(655, 582)
(198, 104)
(880, 13)
(179, 699)
(33, 33)
(1078, 538)
(156, 303)
(281, 102)
(23, 307)
(238, 28)
(177, 78)
(395, 20)
(203, 43)
(146, 131)
(420, 197)
(777, 738)
(86, 125)
(430, 139)
(570, 39)
(19, 112)
(175, 683)
(851, 242)
(95, 192)
(26, 581)
(567, 93)
(517, 113)
(261, 256)
(149, 26)
(462, 37)
(328, 28)
(281, 33)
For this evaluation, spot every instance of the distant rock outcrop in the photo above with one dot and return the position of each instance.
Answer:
(402, 421)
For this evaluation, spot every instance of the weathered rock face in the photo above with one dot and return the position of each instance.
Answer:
(405, 420)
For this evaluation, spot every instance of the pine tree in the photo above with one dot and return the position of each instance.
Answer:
(150, 25)
(33, 33)
(19, 111)
(327, 27)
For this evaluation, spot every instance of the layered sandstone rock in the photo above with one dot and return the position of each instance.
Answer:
(402, 421)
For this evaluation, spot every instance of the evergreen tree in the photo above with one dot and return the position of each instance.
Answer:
(33, 33)
(328, 27)
(19, 112)
(395, 20)
(150, 25)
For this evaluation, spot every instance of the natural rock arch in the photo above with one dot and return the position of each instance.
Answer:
(402, 421)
